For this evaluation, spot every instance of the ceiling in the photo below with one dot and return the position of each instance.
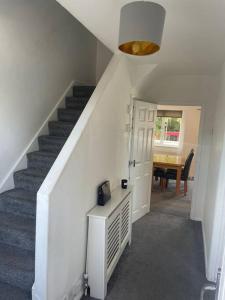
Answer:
(194, 33)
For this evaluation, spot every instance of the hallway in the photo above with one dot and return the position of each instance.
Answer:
(165, 260)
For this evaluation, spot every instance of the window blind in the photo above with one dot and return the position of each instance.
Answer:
(170, 113)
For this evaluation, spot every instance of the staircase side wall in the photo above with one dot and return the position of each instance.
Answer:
(97, 149)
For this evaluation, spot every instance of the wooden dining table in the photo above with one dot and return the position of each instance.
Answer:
(175, 162)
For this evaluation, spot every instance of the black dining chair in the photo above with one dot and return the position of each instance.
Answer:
(172, 174)
(159, 173)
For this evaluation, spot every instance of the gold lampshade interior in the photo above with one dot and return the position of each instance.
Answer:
(139, 48)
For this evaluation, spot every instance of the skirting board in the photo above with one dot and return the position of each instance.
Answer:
(205, 251)
(79, 293)
(77, 297)
(34, 295)
(21, 163)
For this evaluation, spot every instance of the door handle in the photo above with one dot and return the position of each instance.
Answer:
(132, 163)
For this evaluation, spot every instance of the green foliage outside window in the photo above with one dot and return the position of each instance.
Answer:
(167, 129)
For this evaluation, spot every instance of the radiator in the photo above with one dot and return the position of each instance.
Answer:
(109, 232)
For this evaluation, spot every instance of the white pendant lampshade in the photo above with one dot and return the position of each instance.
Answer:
(141, 27)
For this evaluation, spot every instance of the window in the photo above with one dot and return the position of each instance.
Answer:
(168, 128)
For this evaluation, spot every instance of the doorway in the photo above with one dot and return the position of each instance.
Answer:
(175, 145)
(162, 239)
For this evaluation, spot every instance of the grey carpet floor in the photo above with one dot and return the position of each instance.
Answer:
(165, 260)
(167, 202)
(8, 292)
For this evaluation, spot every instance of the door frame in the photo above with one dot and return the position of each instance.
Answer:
(131, 140)
(218, 250)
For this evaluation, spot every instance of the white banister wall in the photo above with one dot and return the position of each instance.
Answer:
(97, 149)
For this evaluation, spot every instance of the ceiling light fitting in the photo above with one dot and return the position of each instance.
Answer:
(141, 27)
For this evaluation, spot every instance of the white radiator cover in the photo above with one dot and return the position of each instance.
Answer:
(108, 234)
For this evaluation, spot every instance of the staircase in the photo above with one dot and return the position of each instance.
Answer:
(18, 206)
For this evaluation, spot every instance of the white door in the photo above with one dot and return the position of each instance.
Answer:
(141, 157)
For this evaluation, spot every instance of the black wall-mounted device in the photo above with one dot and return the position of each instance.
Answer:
(104, 193)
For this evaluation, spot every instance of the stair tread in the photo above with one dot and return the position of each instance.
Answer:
(62, 123)
(50, 137)
(78, 98)
(61, 128)
(19, 202)
(15, 258)
(30, 179)
(32, 172)
(51, 140)
(19, 223)
(69, 114)
(16, 266)
(83, 90)
(17, 230)
(84, 87)
(71, 110)
(9, 292)
(77, 103)
(19, 194)
(51, 143)
(42, 154)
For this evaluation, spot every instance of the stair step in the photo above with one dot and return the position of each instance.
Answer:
(68, 115)
(16, 267)
(78, 103)
(83, 90)
(41, 159)
(9, 292)
(29, 179)
(18, 206)
(60, 128)
(19, 202)
(17, 231)
(49, 143)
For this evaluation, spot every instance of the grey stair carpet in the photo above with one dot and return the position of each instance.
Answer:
(8, 292)
(18, 206)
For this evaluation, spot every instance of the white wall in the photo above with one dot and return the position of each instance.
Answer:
(213, 219)
(189, 133)
(97, 149)
(189, 90)
(191, 128)
(43, 48)
(103, 58)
